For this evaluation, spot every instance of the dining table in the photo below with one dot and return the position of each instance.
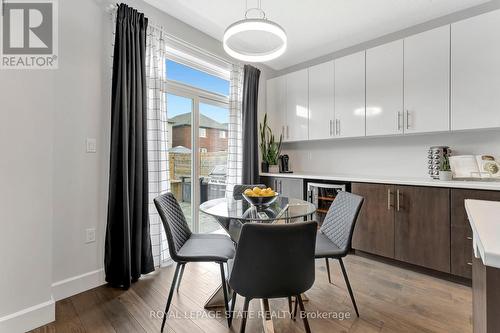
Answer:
(231, 213)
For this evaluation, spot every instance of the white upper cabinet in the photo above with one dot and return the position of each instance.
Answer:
(384, 89)
(297, 106)
(275, 106)
(475, 72)
(427, 81)
(350, 96)
(321, 101)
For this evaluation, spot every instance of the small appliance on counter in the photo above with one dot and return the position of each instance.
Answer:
(436, 156)
(284, 164)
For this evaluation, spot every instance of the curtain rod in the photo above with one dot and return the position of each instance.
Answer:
(112, 8)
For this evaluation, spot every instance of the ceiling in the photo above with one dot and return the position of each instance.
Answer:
(315, 27)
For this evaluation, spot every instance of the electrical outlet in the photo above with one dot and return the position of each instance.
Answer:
(90, 235)
(91, 145)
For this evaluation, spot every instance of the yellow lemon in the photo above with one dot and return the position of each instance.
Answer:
(248, 192)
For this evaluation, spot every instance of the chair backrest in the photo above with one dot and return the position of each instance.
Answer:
(174, 222)
(240, 188)
(341, 218)
(274, 260)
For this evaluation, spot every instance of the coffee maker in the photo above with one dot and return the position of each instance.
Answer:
(284, 164)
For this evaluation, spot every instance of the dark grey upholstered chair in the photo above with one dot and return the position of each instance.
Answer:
(184, 246)
(335, 236)
(273, 261)
(233, 227)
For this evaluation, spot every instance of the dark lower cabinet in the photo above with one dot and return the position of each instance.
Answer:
(422, 226)
(461, 232)
(288, 187)
(407, 223)
(374, 232)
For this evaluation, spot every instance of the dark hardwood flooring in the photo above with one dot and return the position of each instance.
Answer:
(390, 299)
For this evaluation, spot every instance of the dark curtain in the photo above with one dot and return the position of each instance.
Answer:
(250, 125)
(128, 243)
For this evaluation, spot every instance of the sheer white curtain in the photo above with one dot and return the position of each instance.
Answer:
(235, 140)
(157, 137)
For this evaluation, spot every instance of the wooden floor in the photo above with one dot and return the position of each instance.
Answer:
(390, 299)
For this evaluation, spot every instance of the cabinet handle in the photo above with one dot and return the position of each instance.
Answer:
(389, 193)
(399, 120)
(469, 263)
(397, 199)
(407, 119)
(331, 127)
(287, 132)
(469, 238)
(283, 131)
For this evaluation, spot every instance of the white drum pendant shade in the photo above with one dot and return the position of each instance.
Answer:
(255, 40)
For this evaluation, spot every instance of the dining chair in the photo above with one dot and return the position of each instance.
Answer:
(185, 246)
(233, 227)
(273, 261)
(335, 235)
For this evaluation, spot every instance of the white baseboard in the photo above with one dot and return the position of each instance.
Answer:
(29, 318)
(77, 284)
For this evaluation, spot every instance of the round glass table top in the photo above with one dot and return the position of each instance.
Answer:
(282, 208)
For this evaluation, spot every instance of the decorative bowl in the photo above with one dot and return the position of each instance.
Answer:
(261, 201)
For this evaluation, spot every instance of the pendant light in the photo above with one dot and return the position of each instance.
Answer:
(255, 38)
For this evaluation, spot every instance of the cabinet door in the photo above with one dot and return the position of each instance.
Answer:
(350, 96)
(297, 106)
(422, 226)
(427, 81)
(461, 232)
(374, 231)
(321, 101)
(291, 187)
(475, 72)
(384, 89)
(275, 106)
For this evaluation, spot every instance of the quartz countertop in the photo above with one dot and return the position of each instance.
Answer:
(484, 219)
(415, 181)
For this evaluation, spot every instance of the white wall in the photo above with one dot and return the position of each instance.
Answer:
(402, 156)
(26, 124)
(51, 190)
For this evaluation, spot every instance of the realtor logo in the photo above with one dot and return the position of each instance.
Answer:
(29, 34)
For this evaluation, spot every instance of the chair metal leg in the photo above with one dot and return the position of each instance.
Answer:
(344, 272)
(180, 276)
(245, 314)
(295, 310)
(328, 270)
(224, 289)
(290, 305)
(233, 304)
(170, 294)
(304, 315)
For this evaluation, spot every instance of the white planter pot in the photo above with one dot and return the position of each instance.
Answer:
(274, 168)
(445, 175)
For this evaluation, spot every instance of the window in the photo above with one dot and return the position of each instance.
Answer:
(197, 103)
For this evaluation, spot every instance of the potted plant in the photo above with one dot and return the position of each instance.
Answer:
(270, 148)
(445, 170)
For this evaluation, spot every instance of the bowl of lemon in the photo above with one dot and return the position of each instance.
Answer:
(260, 196)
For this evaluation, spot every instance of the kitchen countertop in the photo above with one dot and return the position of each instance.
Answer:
(478, 185)
(484, 218)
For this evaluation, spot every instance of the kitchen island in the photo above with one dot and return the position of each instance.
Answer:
(484, 218)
